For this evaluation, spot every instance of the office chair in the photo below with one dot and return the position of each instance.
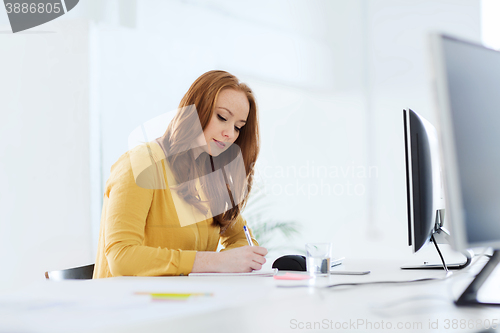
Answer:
(82, 272)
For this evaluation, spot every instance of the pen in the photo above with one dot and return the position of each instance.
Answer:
(249, 239)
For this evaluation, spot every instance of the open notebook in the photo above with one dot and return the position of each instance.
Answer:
(271, 272)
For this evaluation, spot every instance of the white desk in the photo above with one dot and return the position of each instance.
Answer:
(246, 304)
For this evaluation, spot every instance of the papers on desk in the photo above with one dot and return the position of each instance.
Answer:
(293, 276)
(254, 273)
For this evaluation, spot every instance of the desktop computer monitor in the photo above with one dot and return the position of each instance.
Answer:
(467, 83)
(424, 186)
(425, 191)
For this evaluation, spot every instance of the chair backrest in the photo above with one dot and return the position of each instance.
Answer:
(83, 272)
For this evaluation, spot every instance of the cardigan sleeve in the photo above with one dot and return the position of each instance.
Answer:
(234, 236)
(127, 210)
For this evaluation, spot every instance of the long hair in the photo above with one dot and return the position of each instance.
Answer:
(196, 108)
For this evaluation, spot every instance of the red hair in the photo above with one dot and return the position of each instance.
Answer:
(197, 106)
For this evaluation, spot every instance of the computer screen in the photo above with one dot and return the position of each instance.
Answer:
(467, 82)
(468, 95)
(424, 185)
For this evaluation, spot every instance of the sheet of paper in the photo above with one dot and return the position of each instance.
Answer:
(292, 276)
(254, 273)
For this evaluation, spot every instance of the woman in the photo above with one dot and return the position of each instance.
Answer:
(167, 203)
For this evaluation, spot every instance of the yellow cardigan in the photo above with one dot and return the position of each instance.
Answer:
(140, 232)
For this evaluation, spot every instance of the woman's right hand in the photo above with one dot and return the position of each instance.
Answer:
(242, 259)
(239, 260)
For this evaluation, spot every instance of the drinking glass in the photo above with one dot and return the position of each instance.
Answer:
(318, 258)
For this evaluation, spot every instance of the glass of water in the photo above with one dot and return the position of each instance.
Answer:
(318, 258)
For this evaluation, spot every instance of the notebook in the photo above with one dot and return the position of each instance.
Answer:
(271, 272)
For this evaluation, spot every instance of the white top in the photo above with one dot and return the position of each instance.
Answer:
(244, 304)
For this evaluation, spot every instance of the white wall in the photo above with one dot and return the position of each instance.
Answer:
(44, 152)
(398, 78)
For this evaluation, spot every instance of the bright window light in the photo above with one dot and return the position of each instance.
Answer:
(490, 12)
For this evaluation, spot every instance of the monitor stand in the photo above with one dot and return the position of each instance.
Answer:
(484, 289)
(453, 265)
(442, 236)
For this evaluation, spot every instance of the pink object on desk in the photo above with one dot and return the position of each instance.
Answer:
(292, 276)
